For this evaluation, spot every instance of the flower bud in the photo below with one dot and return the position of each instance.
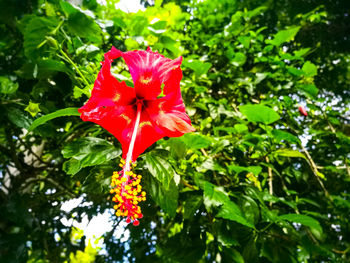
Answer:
(302, 111)
(52, 42)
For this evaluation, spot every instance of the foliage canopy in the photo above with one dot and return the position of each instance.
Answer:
(257, 182)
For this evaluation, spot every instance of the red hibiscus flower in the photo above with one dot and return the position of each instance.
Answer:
(302, 111)
(137, 116)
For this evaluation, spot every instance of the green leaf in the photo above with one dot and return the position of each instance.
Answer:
(241, 128)
(47, 66)
(188, 246)
(35, 35)
(43, 68)
(309, 69)
(166, 198)
(301, 52)
(245, 41)
(225, 236)
(310, 90)
(7, 86)
(259, 113)
(239, 59)
(294, 71)
(19, 118)
(302, 219)
(213, 195)
(160, 25)
(232, 212)
(177, 146)
(191, 205)
(285, 136)
(78, 92)
(197, 66)
(81, 24)
(162, 170)
(231, 255)
(53, 115)
(87, 151)
(256, 170)
(290, 153)
(196, 141)
(216, 196)
(284, 36)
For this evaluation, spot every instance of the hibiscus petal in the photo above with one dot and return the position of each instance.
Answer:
(149, 70)
(168, 113)
(108, 87)
(110, 104)
(118, 120)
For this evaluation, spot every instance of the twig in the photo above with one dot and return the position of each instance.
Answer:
(314, 170)
(204, 152)
(32, 152)
(188, 185)
(329, 124)
(337, 167)
(340, 251)
(53, 182)
(269, 171)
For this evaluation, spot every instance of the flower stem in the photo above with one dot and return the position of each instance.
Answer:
(133, 138)
(75, 66)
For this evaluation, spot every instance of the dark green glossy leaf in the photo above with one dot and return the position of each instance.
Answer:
(89, 151)
(310, 90)
(302, 219)
(165, 197)
(81, 24)
(7, 86)
(19, 118)
(216, 196)
(161, 170)
(191, 206)
(232, 255)
(35, 35)
(195, 141)
(285, 136)
(53, 115)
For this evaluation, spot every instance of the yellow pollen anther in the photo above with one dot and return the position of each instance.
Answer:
(126, 189)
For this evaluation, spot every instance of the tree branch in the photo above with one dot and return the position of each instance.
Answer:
(314, 170)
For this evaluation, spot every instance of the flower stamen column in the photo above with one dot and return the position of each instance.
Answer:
(126, 183)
